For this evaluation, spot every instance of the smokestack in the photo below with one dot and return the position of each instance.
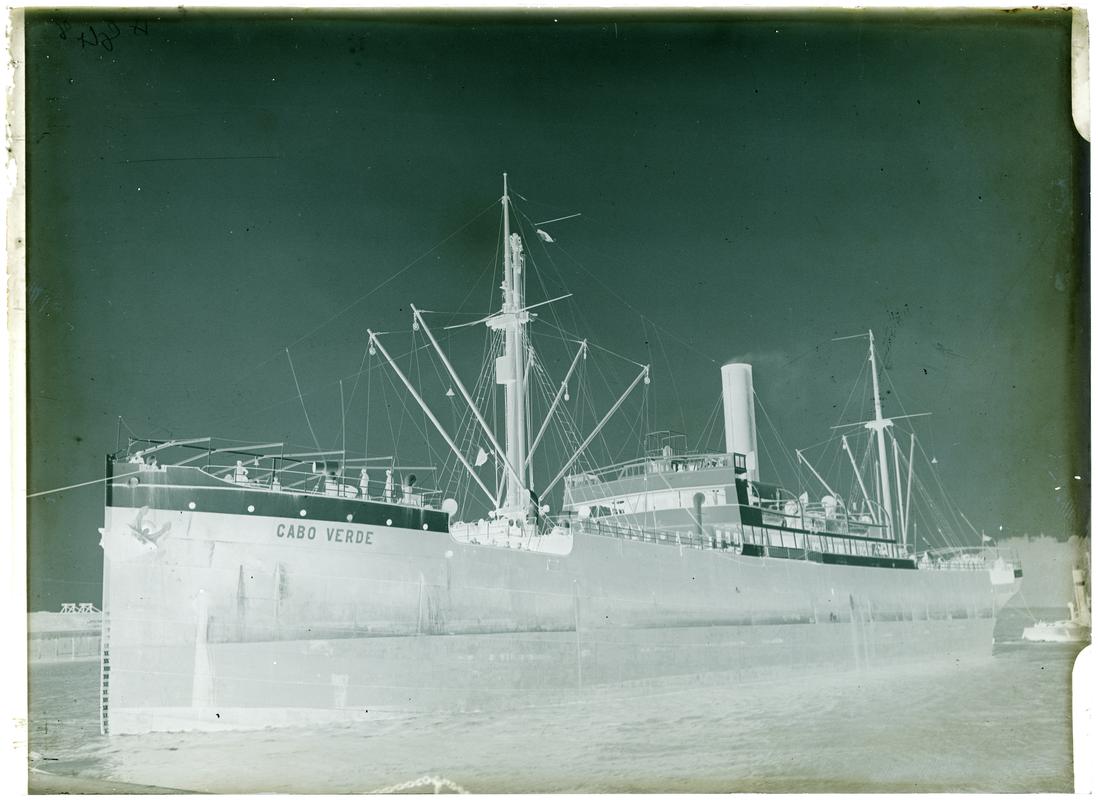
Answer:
(739, 414)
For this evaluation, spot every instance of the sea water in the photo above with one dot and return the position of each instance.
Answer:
(1000, 724)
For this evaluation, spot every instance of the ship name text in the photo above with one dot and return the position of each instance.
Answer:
(344, 535)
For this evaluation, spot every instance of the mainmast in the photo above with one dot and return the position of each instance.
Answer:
(878, 425)
(511, 366)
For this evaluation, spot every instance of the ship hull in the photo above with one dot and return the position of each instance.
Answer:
(307, 681)
(226, 620)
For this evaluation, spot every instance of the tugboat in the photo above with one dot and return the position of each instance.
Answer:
(1075, 629)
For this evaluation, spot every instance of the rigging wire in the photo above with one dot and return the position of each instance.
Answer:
(653, 423)
(388, 409)
(710, 428)
(467, 432)
(833, 436)
(552, 263)
(80, 485)
(432, 453)
(416, 374)
(369, 397)
(601, 374)
(865, 463)
(611, 391)
(493, 264)
(948, 501)
(674, 383)
(648, 407)
(248, 372)
(302, 399)
(358, 375)
(766, 452)
(857, 383)
(551, 308)
(564, 438)
(634, 309)
(938, 520)
(777, 434)
(573, 338)
(252, 412)
(634, 434)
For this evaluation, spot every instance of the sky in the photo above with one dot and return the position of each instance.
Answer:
(207, 192)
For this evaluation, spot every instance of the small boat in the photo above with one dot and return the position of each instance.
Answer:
(1074, 629)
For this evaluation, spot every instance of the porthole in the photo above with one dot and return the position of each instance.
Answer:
(425, 526)
(251, 509)
(302, 512)
(191, 505)
(350, 517)
(388, 522)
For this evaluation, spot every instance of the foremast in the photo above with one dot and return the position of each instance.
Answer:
(514, 505)
(512, 319)
(878, 425)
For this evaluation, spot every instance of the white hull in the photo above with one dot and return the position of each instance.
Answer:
(226, 622)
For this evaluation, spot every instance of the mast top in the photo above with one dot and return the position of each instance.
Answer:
(879, 420)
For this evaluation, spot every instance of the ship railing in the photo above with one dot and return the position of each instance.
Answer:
(658, 443)
(817, 518)
(600, 527)
(975, 558)
(819, 541)
(650, 465)
(734, 537)
(320, 485)
(269, 467)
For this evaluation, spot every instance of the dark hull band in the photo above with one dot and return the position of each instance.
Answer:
(158, 490)
(760, 551)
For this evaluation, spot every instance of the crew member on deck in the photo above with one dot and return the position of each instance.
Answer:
(388, 486)
(408, 494)
(240, 473)
(364, 483)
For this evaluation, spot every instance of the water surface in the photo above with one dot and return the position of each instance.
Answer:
(1000, 724)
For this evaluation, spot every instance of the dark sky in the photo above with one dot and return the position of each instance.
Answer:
(205, 191)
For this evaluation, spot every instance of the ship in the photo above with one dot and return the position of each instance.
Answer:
(248, 585)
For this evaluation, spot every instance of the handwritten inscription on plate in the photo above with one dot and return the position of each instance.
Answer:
(102, 34)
